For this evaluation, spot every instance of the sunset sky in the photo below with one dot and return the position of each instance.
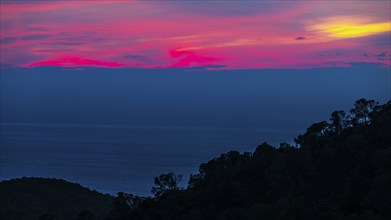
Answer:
(213, 35)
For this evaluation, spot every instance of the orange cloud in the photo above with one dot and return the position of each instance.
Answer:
(348, 27)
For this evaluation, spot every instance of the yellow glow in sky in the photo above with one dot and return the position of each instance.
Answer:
(351, 28)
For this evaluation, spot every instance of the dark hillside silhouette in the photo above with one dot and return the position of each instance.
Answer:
(339, 169)
(43, 198)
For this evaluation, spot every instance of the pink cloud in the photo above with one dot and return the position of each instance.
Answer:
(188, 59)
(74, 61)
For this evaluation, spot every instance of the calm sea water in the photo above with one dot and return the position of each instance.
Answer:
(110, 159)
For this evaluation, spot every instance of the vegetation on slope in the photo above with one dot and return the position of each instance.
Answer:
(340, 169)
(42, 198)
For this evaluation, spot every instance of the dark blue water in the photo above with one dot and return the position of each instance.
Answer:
(110, 159)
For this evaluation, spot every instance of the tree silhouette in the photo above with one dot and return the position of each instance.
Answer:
(338, 122)
(166, 183)
(361, 111)
(123, 205)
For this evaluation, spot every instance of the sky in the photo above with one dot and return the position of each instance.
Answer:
(273, 64)
(210, 34)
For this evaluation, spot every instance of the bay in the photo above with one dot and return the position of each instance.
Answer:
(113, 158)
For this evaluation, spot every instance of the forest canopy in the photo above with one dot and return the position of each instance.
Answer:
(338, 169)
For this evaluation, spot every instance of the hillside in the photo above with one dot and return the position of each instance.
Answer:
(339, 169)
(35, 198)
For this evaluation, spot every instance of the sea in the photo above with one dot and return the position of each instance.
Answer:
(120, 158)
